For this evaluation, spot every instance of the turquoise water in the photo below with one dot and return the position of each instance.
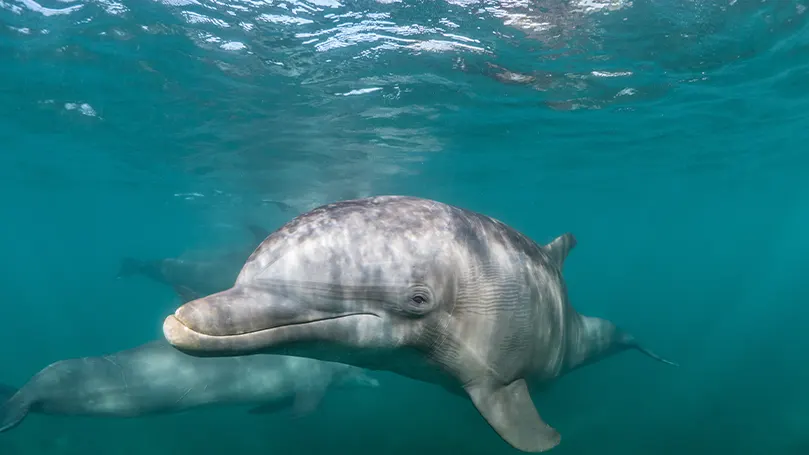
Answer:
(669, 137)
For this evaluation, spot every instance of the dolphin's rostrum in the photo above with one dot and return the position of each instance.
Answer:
(417, 287)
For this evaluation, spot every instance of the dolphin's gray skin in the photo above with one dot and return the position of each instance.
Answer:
(155, 378)
(192, 278)
(413, 286)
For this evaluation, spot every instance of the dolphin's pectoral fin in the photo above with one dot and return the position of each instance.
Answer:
(559, 248)
(185, 293)
(299, 405)
(511, 412)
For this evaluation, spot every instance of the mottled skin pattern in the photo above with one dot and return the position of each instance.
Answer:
(155, 378)
(424, 289)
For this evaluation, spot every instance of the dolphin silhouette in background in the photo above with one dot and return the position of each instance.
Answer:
(155, 378)
(193, 277)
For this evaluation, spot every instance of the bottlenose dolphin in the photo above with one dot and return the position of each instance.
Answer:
(155, 378)
(420, 288)
(194, 277)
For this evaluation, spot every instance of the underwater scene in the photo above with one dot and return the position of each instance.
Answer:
(404, 227)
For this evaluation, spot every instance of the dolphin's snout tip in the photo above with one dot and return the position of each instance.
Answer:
(178, 334)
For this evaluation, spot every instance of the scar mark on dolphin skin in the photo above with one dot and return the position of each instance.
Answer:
(123, 375)
(185, 395)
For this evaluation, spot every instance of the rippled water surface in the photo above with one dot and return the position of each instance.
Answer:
(669, 136)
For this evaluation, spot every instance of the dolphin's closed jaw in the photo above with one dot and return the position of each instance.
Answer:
(234, 322)
(237, 311)
(199, 344)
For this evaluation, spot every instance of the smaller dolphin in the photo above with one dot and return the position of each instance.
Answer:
(155, 378)
(194, 277)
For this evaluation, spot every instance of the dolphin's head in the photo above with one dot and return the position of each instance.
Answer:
(368, 313)
(348, 285)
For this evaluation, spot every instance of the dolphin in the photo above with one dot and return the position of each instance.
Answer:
(416, 287)
(190, 277)
(154, 378)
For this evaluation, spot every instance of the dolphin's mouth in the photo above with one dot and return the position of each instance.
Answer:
(338, 328)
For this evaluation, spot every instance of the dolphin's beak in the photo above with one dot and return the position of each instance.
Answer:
(241, 322)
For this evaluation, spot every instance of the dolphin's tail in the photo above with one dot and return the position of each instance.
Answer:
(13, 408)
(629, 342)
(129, 267)
(655, 356)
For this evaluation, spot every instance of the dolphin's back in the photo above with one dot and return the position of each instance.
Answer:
(365, 227)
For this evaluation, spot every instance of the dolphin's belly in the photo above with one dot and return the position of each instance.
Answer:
(237, 386)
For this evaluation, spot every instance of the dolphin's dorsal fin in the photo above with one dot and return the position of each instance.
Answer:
(258, 232)
(559, 248)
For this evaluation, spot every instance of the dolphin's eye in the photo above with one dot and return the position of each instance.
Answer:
(419, 301)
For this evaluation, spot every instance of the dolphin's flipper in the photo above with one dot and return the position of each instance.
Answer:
(511, 412)
(185, 293)
(302, 404)
(258, 232)
(13, 408)
(559, 248)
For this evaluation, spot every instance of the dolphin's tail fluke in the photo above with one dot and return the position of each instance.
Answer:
(13, 408)
(129, 267)
(655, 356)
(629, 342)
